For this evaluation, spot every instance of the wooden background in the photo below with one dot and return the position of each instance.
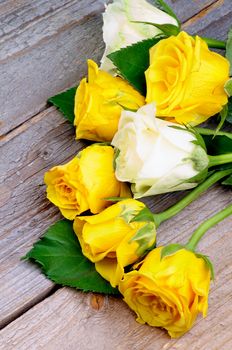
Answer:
(43, 48)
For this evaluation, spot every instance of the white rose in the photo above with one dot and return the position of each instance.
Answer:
(120, 31)
(157, 156)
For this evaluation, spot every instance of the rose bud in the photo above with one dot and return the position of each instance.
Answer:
(99, 103)
(158, 156)
(84, 182)
(117, 237)
(168, 292)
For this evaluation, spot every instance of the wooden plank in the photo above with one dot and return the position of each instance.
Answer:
(187, 9)
(44, 45)
(31, 149)
(25, 214)
(214, 22)
(45, 54)
(72, 320)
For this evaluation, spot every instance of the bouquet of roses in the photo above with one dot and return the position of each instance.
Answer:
(141, 109)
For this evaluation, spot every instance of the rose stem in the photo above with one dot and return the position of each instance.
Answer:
(190, 197)
(205, 131)
(220, 159)
(205, 226)
(214, 43)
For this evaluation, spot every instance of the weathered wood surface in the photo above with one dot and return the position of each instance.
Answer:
(43, 48)
(187, 9)
(42, 142)
(214, 21)
(71, 320)
(46, 140)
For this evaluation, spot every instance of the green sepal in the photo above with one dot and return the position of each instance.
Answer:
(208, 263)
(116, 199)
(161, 4)
(200, 148)
(167, 29)
(145, 237)
(128, 213)
(229, 49)
(199, 158)
(132, 61)
(228, 87)
(65, 103)
(60, 256)
(116, 155)
(200, 177)
(171, 249)
(188, 128)
(127, 109)
(145, 215)
(199, 139)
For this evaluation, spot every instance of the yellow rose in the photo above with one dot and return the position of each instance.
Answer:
(168, 293)
(186, 79)
(114, 238)
(99, 103)
(84, 182)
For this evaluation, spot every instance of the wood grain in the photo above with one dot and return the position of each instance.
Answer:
(25, 214)
(214, 22)
(45, 52)
(187, 9)
(45, 37)
(44, 46)
(72, 320)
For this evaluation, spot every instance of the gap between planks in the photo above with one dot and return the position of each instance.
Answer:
(216, 4)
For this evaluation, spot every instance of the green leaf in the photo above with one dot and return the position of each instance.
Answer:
(228, 181)
(132, 61)
(229, 49)
(208, 263)
(161, 4)
(223, 115)
(59, 253)
(167, 28)
(65, 103)
(220, 144)
(229, 115)
(228, 87)
(171, 249)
